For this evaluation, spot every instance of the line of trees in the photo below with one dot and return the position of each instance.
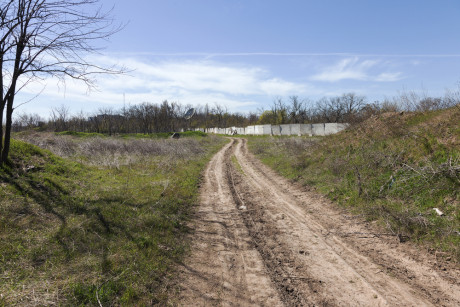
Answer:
(351, 108)
(340, 109)
(168, 117)
(141, 118)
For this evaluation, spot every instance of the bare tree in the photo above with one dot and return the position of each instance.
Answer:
(340, 108)
(330, 109)
(27, 121)
(352, 103)
(280, 111)
(59, 117)
(297, 110)
(219, 111)
(41, 38)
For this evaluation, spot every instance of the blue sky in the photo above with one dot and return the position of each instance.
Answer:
(242, 54)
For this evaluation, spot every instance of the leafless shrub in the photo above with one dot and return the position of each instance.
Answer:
(430, 170)
(390, 106)
(115, 152)
(27, 121)
(422, 102)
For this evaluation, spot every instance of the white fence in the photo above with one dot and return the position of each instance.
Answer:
(291, 129)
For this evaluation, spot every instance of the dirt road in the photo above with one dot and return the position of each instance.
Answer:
(260, 240)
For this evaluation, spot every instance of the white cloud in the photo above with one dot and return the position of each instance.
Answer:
(280, 87)
(355, 69)
(186, 81)
(389, 77)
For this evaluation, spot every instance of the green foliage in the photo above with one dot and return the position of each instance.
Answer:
(192, 134)
(80, 233)
(394, 168)
(274, 118)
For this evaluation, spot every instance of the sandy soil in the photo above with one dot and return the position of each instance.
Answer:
(260, 240)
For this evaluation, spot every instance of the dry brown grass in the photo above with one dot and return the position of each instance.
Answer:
(115, 152)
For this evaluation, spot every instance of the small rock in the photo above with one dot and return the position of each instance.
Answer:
(242, 207)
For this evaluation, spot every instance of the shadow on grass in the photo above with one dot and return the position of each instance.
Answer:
(52, 197)
(104, 226)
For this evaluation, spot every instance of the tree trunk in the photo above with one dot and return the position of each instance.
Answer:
(1, 133)
(9, 123)
(2, 108)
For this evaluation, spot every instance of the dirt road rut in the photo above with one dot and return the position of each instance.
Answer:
(260, 240)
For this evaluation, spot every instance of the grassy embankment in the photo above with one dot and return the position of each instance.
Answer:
(102, 224)
(394, 168)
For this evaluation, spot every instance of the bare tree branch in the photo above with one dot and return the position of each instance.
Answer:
(48, 38)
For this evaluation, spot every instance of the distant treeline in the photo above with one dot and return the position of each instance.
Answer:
(169, 116)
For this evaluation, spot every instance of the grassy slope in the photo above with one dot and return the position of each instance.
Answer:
(394, 168)
(71, 233)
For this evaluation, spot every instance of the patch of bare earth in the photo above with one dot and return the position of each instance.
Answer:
(261, 240)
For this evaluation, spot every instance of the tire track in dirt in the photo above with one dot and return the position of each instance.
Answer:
(399, 268)
(224, 268)
(289, 246)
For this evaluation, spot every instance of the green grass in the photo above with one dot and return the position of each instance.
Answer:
(237, 164)
(394, 168)
(80, 134)
(72, 234)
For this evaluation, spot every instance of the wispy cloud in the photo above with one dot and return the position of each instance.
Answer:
(187, 81)
(356, 69)
(389, 77)
(203, 76)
